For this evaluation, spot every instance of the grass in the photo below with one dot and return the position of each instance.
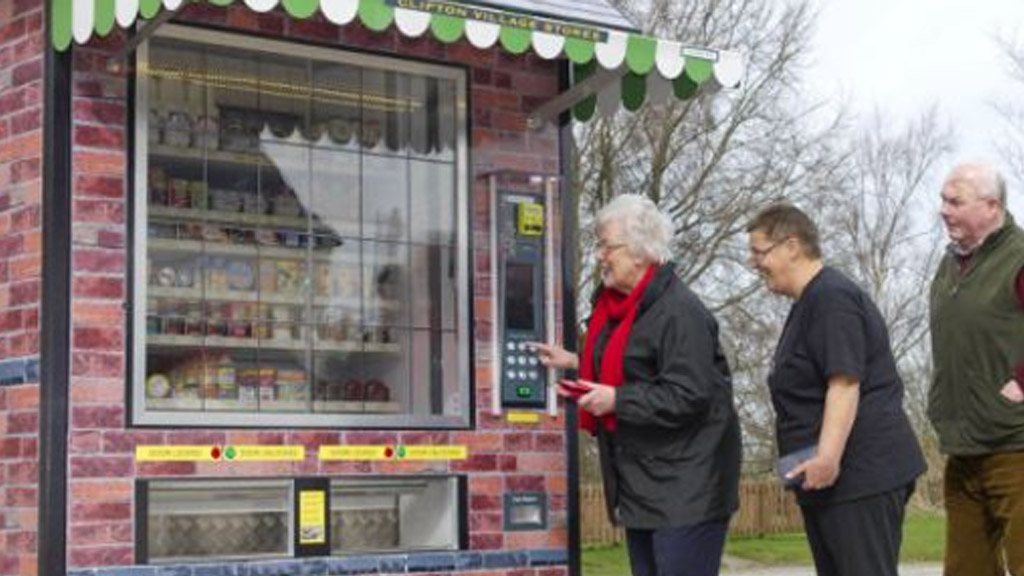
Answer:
(923, 541)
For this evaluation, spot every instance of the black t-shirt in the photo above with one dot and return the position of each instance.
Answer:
(835, 328)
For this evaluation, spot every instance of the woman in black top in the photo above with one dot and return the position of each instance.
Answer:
(655, 388)
(838, 403)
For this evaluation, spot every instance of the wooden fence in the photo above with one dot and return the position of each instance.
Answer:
(765, 508)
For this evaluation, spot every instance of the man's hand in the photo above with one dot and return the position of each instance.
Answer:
(819, 472)
(1012, 392)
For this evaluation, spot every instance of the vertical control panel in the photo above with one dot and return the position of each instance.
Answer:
(521, 241)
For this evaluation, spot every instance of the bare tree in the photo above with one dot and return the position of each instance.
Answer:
(1011, 143)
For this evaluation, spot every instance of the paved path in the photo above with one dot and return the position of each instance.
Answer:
(905, 570)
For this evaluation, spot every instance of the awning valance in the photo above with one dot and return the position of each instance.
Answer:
(648, 65)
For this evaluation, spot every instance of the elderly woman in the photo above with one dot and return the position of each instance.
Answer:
(655, 388)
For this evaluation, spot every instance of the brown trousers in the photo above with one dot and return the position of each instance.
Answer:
(985, 515)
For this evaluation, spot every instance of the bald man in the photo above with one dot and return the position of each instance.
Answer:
(976, 402)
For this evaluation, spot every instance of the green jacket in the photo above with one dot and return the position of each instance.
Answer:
(977, 327)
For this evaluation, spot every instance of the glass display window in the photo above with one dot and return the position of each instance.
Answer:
(301, 236)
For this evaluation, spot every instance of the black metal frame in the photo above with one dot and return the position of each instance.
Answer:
(569, 236)
(55, 307)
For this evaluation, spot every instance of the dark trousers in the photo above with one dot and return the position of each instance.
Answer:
(685, 551)
(985, 515)
(858, 538)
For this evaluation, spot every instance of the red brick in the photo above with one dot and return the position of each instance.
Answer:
(477, 463)
(97, 417)
(99, 137)
(110, 239)
(310, 439)
(124, 442)
(101, 466)
(549, 443)
(101, 261)
(85, 442)
(485, 522)
(27, 121)
(99, 111)
(10, 448)
(481, 502)
(23, 541)
(96, 365)
(196, 437)
(371, 438)
(519, 442)
(541, 462)
(522, 483)
(92, 313)
(98, 287)
(508, 463)
(12, 30)
(485, 541)
(21, 497)
(22, 422)
(102, 556)
(436, 438)
(24, 473)
(24, 170)
(99, 211)
(110, 339)
(95, 511)
(157, 469)
(27, 72)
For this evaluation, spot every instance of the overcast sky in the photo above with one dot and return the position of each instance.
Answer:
(904, 55)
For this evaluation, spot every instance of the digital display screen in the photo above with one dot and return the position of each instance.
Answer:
(519, 296)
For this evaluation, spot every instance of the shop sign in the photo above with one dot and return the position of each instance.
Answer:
(523, 21)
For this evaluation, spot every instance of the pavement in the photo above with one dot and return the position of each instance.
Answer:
(733, 568)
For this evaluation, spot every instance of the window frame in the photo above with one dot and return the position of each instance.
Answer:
(140, 415)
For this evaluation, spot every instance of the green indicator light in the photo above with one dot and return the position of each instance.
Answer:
(230, 453)
(401, 451)
(524, 391)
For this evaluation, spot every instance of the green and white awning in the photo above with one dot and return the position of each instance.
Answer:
(651, 68)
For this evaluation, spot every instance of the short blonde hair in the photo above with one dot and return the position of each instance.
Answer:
(646, 230)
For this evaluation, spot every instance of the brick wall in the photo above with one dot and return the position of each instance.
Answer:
(20, 157)
(21, 112)
(102, 468)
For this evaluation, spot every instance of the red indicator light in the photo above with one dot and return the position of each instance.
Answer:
(215, 453)
(389, 452)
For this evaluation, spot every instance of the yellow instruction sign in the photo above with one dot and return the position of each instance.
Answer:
(265, 453)
(312, 517)
(177, 453)
(357, 452)
(433, 452)
(523, 417)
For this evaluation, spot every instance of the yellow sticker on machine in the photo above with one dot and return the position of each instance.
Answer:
(357, 452)
(523, 417)
(177, 453)
(530, 219)
(264, 453)
(400, 452)
(433, 452)
(312, 517)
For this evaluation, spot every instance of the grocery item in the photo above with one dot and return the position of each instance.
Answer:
(158, 386)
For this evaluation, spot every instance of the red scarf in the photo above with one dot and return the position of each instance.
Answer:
(610, 305)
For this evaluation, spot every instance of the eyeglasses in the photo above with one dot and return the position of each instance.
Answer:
(761, 253)
(607, 248)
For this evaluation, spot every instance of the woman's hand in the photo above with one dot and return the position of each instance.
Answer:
(819, 472)
(554, 356)
(599, 401)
